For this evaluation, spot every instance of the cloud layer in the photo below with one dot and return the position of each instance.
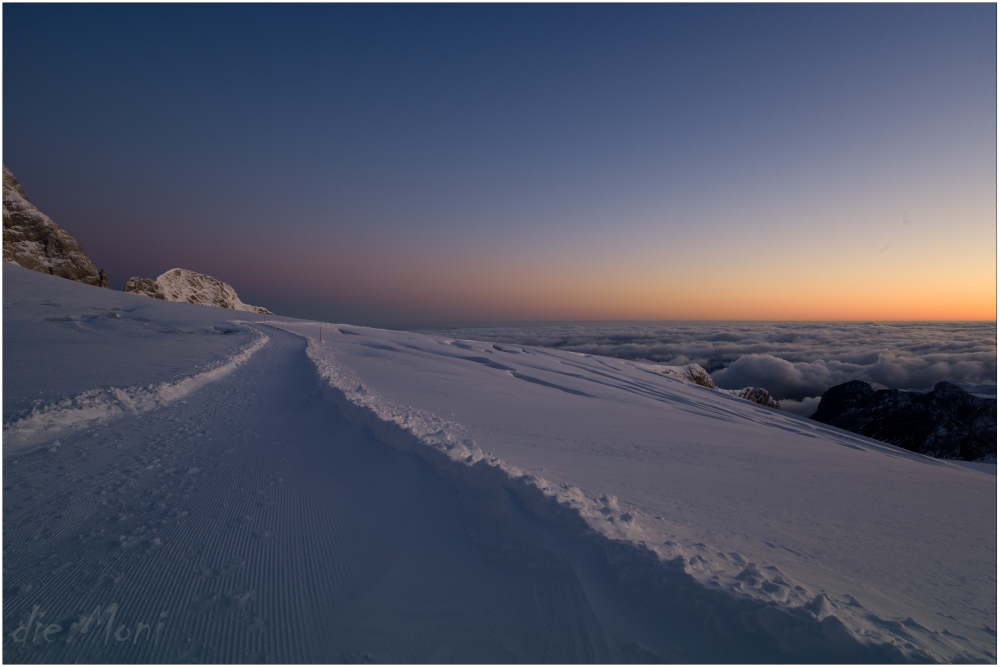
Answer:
(793, 361)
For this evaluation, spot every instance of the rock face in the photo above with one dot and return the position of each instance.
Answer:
(757, 395)
(146, 287)
(191, 287)
(951, 422)
(32, 240)
(698, 375)
(692, 373)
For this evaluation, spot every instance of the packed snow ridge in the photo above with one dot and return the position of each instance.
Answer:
(821, 584)
(32, 240)
(102, 405)
(191, 287)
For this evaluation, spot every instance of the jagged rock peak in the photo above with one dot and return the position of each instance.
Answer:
(191, 287)
(32, 240)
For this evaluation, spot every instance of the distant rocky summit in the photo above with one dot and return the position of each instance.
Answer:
(32, 240)
(698, 375)
(191, 287)
(952, 421)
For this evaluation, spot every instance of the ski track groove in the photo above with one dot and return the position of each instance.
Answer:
(262, 589)
(288, 534)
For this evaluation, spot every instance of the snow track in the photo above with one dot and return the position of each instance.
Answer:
(326, 503)
(252, 522)
(99, 406)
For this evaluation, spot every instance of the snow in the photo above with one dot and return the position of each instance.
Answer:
(397, 497)
(980, 390)
(988, 468)
(756, 503)
(98, 406)
(63, 339)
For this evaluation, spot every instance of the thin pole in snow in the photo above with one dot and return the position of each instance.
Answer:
(321, 334)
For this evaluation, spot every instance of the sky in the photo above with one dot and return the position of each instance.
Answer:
(417, 165)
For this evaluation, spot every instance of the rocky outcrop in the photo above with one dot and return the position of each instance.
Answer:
(696, 374)
(951, 422)
(191, 287)
(756, 395)
(32, 240)
(146, 287)
(692, 373)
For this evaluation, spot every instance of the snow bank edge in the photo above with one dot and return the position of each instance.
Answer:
(758, 629)
(99, 406)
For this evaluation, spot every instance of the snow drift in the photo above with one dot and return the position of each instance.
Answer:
(101, 405)
(756, 522)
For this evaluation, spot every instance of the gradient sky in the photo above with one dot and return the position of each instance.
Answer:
(416, 165)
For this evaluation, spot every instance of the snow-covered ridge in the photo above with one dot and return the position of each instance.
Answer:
(99, 406)
(191, 287)
(756, 602)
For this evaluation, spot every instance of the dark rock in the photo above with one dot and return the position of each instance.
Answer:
(32, 240)
(948, 422)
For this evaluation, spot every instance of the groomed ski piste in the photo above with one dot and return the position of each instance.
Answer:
(190, 484)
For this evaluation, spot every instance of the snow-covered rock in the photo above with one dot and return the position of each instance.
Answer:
(32, 240)
(144, 286)
(756, 395)
(191, 287)
(695, 374)
(690, 372)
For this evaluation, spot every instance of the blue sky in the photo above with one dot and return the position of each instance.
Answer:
(396, 164)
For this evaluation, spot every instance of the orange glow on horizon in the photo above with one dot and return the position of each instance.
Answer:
(587, 284)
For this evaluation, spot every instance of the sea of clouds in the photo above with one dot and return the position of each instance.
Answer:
(796, 362)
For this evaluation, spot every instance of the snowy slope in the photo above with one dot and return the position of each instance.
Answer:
(73, 354)
(248, 493)
(809, 531)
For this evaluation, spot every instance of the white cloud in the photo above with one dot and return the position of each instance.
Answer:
(792, 361)
(805, 408)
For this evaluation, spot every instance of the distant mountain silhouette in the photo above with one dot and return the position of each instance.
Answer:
(951, 422)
